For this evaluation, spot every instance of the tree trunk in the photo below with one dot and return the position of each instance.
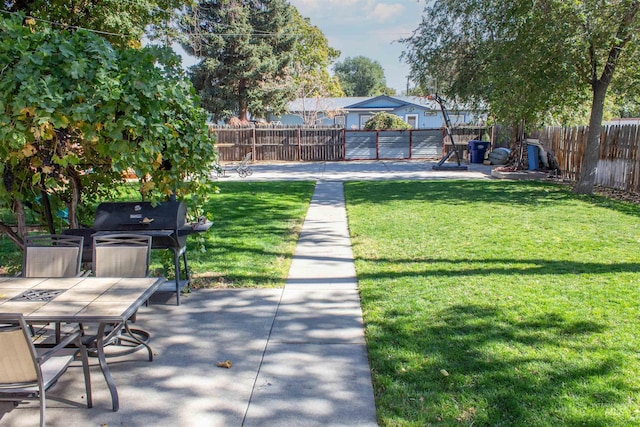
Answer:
(46, 207)
(242, 115)
(75, 199)
(588, 171)
(242, 101)
(21, 218)
(587, 179)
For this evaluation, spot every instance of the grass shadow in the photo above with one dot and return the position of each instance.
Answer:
(457, 267)
(481, 368)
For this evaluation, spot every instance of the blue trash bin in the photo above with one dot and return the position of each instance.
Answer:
(477, 150)
(534, 157)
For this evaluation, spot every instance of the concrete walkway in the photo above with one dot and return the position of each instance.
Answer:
(298, 353)
(315, 371)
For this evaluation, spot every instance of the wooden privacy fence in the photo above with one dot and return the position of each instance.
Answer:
(335, 144)
(279, 143)
(619, 164)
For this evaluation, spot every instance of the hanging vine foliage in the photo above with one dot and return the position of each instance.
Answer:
(77, 113)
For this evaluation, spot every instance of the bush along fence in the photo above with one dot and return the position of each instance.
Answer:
(619, 164)
(334, 144)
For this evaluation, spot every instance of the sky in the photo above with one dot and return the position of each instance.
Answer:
(368, 28)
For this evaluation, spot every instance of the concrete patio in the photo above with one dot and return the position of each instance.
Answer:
(298, 354)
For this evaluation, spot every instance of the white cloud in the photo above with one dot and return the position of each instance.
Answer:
(383, 12)
(378, 10)
(307, 7)
(303, 5)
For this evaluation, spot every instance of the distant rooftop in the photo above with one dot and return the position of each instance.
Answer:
(349, 103)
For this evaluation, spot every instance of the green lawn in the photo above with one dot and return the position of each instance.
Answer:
(496, 303)
(255, 231)
(486, 303)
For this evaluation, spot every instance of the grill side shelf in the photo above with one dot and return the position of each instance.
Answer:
(194, 227)
(159, 233)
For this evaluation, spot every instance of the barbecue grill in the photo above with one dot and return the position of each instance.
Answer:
(165, 223)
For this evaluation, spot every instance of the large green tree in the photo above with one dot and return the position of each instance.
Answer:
(528, 59)
(123, 23)
(361, 76)
(311, 80)
(75, 114)
(312, 59)
(246, 51)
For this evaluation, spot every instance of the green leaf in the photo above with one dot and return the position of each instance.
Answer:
(77, 70)
(99, 109)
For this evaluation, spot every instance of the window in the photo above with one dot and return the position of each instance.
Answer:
(364, 118)
(340, 121)
(412, 120)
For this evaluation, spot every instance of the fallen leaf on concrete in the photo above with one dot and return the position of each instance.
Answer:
(226, 364)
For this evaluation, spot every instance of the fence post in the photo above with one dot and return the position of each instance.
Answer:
(410, 144)
(344, 143)
(253, 143)
(299, 144)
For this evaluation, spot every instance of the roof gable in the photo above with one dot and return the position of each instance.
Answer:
(382, 101)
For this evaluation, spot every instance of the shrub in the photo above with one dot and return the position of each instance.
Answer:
(386, 121)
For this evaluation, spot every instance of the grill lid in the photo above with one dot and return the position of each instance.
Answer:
(140, 216)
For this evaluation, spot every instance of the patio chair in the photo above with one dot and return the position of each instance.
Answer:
(27, 375)
(52, 255)
(123, 255)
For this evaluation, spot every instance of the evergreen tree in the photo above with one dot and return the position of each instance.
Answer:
(245, 50)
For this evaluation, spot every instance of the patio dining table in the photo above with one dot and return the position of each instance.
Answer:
(106, 301)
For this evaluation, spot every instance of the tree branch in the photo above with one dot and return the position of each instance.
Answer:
(12, 235)
(623, 36)
(594, 64)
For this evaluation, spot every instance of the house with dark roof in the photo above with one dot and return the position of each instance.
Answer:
(354, 112)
